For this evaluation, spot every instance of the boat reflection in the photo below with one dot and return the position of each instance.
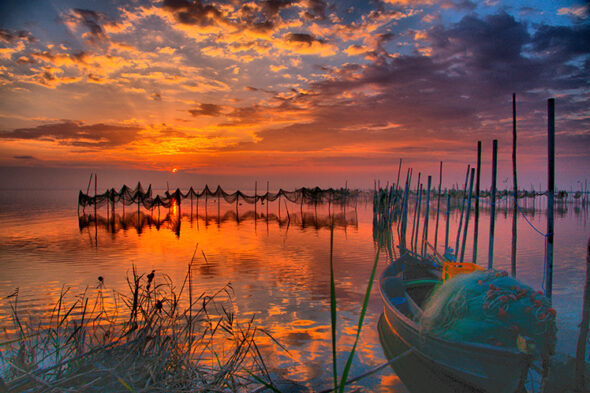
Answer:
(417, 374)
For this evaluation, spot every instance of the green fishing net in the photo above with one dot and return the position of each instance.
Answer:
(491, 308)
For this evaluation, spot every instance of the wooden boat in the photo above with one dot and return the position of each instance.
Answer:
(405, 284)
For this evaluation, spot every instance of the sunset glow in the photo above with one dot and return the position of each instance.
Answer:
(276, 87)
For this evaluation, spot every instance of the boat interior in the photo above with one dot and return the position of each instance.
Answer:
(408, 289)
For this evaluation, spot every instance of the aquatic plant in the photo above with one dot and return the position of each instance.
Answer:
(156, 337)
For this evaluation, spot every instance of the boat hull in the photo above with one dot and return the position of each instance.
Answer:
(484, 367)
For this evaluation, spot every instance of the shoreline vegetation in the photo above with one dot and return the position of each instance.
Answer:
(154, 338)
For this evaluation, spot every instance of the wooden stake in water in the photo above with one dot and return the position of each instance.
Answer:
(404, 221)
(255, 198)
(399, 169)
(448, 218)
(467, 214)
(237, 211)
(462, 212)
(425, 230)
(418, 220)
(438, 207)
(493, 202)
(551, 193)
(415, 212)
(476, 217)
(515, 201)
(95, 220)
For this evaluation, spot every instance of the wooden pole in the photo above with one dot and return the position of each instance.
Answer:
(404, 221)
(399, 169)
(415, 211)
(418, 219)
(427, 212)
(462, 212)
(582, 338)
(438, 206)
(95, 219)
(267, 188)
(467, 214)
(515, 207)
(301, 206)
(493, 202)
(476, 217)
(448, 218)
(95, 192)
(255, 197)
(551, 193)
(237, 211)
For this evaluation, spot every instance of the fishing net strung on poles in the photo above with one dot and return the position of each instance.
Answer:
(138, 196)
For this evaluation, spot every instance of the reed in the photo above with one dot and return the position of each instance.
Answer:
(154, 338)
(339, 385)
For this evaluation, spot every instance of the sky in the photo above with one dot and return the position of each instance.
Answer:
(309, 91)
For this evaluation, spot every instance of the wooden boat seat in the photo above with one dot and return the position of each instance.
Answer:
(415, 305)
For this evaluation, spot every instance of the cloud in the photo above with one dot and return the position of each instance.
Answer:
(75, 133)
(89, 19)
(463, 5)
(24, 157)
(457, 94)
(316, 10)
(272, 7)
(575, 11)
(562, 42)
(11, 35)
(307, 44)
(302, 37)
(193, 12)
(206, 110)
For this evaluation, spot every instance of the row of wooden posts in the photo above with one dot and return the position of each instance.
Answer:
(474, 174)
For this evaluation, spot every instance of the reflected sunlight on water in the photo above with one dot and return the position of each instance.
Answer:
(277, 264)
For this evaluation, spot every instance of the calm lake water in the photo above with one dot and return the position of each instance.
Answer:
(278, 268)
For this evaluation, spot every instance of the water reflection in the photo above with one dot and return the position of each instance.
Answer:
(172, 220)
(277, 262)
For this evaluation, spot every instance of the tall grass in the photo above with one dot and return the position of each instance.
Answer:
(340, 385)
(151, 339)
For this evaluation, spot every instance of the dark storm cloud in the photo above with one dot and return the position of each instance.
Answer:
(76, 134)
(206, 110)
(24, 157)
(563, 42)
(479, 59)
